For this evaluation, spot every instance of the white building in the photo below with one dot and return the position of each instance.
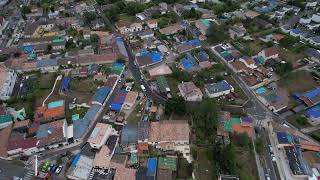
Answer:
(100, 135)
(7, 81)
(190, 92)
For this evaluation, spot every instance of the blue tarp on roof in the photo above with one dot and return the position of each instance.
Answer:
(313, 112)
(188, 62)
(219, 86)
(152, 166)
(101, 94)
(282, 137)
(66, 83)
(193, 42)
(312, 93)
(247, 119)
(155, 56)
(28, 49)
(296, 31)
(80, 126)
(115, 106)
(75, 161)
(203, 55)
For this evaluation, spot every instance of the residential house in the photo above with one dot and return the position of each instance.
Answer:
(248, 61)
(152, 23)
(217, 89)
(171, 135)
(18, 146)
(148, 33)
(80, 168)
(269, 53)
(125, 27)
(129, 135)
(237, 31)
(52, 135)
(172, 29)
(260, 23)
(313, 54)
(161, 70)
(203, 25)
(100, 135)
(130, 101)
(190, 92)
(163, 85)
(8, 79)
(315, 40)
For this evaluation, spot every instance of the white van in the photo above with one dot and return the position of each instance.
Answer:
(143, 88)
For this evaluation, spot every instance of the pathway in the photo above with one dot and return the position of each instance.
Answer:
(54, 86)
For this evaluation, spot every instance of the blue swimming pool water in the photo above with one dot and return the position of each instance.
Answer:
(55, 104)
(261, 90)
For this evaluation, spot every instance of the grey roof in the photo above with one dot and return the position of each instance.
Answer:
(143, 130)
(316, 39)
(47, 63)
(311, 52)
(80, 126)
(129, 135)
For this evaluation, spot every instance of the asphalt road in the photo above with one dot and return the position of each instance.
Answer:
(9, 170)
(137, 75)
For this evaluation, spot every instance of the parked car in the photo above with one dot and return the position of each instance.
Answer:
(59, 169)
(270, 148)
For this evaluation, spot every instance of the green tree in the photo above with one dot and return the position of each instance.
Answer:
(88, 17)
(25, 10)
(217, 34)
(181, 75)
(284, 68)
(176, 105)
(303, 121)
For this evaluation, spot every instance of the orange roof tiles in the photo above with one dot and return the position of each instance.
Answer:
(142, 147)
(242, 129)
(173, 130)
(53, 113)
(4, 136)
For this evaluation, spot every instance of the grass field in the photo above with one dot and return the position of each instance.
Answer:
(290, 56)
(204, 169)
(299, 81)
(134, 117)
(293, 120)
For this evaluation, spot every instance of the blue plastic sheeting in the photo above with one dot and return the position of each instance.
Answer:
(155, 56)
(203, 55)
(312, 93)
(282, 137)
(152, 166)
(121, 46)
(247, 119)
(189, 62)
(66, 83)
(80, 126)
(218, 87)
(28, 49)
(193, 42)
(313, 112)
(116, 106)
(296, 31)
(101, 94)
(75, 161)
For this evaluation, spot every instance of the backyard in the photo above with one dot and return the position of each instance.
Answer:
(298, 82)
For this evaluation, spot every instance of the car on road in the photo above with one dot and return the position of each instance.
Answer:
(273, 158)
(270, 148)
(59, 169)
(143, 88)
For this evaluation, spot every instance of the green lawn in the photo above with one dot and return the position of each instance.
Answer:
(204, 168)
(133, 118)
(298, 82)
(173, 84)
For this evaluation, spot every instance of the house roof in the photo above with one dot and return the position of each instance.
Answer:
(251, 80)
(271, 51)
(189, 89)
(131, 97)
(172, 29)
(102, 157)
(101, 94)
(168, 162)
(142, 147)
(162, 84)
(4, 136)
(164, 174)
(311, 52)
(174, 130)
(129, 135)
(218, 87)
(6, 118)
(22, 143)
(20, 124)
(238, 65)
(51, 133)
(143, 130)
(163, 69)
(98, 133)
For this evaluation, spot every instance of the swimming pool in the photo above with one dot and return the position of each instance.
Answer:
(261, 90)
(55, 104)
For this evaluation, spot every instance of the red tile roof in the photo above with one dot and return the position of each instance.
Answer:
(271, 51)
